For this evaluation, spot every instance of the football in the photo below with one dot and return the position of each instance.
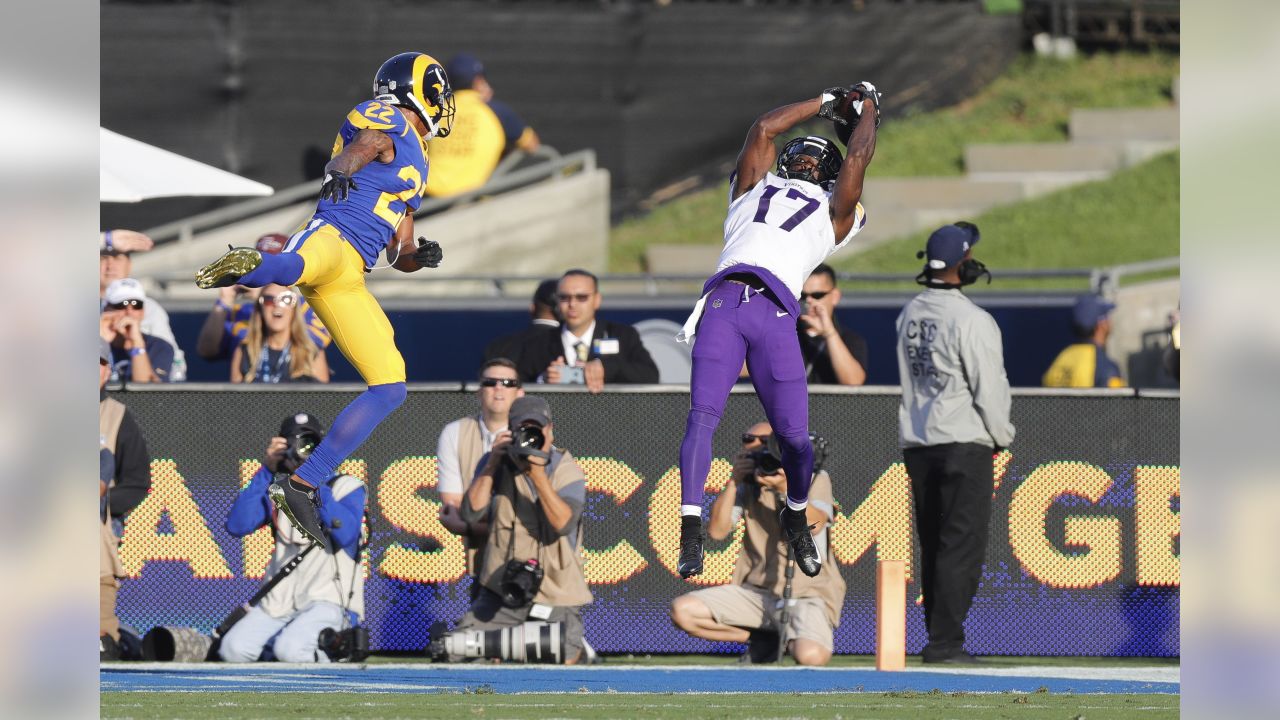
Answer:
(845, 110)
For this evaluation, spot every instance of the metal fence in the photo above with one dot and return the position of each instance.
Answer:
(1083, 556)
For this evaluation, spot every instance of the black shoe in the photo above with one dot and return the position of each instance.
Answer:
(690, 546)
(301, 504)
(796, 527)
(228, 269)
(959, 657)
(763, 646)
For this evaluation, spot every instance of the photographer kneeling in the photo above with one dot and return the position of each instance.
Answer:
(767, 604)
(532, 586)
(315, 597)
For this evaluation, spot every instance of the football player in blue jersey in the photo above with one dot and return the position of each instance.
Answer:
(372, 186)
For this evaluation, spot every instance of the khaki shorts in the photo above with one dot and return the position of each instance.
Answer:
(753, 608)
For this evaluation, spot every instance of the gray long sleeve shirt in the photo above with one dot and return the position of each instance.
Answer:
(951, 365)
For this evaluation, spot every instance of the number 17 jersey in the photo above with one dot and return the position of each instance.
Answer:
(383, 192)
(783, 226)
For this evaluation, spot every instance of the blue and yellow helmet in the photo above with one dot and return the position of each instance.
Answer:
(418, 82)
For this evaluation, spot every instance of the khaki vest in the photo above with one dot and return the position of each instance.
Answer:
(762, 562)
(110, 415)
(470, 449)
(516, 522)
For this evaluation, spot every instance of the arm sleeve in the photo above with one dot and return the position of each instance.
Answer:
(513, 126)
(472, 515)
(252, 508)
(161, 354)
(571, 485)
(982, 352)
(448, 474)
(132, 468)
(341, 517)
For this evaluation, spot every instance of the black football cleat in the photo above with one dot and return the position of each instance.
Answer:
(796, 527)
(301, 504)
(228, 269)
(690, 563)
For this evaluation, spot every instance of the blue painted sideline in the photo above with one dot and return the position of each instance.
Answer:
(508, 679)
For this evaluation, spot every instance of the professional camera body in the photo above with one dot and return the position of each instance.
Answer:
(521, 580)
(349, 645)
(302, 432)
(768, 459)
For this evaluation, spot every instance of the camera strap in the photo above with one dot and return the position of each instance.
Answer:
(267, 587)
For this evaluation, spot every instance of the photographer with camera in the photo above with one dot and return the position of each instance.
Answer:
(314, 597)
(528, 608)
(766, 604)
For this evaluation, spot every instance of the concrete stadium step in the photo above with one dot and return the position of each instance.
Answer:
(939, 192)
(661, 259)
(992, 161)
(1152, 124)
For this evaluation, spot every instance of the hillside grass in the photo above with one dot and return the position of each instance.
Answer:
(1030, 102)
(1129, 217)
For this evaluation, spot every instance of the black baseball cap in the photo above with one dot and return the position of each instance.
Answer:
(299, 422)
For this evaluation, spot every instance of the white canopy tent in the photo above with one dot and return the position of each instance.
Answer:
(130, 170)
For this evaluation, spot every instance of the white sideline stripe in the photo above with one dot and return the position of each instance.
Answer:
(339, 672)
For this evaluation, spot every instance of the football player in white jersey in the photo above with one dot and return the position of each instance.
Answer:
(779, 227)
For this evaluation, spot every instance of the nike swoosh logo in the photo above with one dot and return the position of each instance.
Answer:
(781, 313)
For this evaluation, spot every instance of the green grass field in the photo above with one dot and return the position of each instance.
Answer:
(1031, 102)
(482, 703)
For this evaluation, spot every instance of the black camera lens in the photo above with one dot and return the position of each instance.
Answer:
(529, 437)
(766, 462)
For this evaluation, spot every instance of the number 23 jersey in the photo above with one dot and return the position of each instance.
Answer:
(783, 226)
(384, 192)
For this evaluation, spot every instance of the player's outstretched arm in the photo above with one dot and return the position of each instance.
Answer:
(412, 255)
(758, 152)
(368, 145)
(848, 190)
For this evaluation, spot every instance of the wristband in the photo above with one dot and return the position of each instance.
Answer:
(219, 305)
(137, 351)
(109, 246)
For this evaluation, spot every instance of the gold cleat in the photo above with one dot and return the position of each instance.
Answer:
(228, 269)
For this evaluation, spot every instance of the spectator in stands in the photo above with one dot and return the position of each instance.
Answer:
(123, 481)
(137, 356)
(325, 591)
(464, 441)
(484, 130)
(227, 324)
(1085, 364)
(531, 494)
(277, 348)
(115, 262)
(598, 351)
(833, 354)
(545, 311)
(749, 608)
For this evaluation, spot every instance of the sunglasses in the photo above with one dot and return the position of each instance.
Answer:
(568, 298)
(284, 299)
(504, 382)
(748, 438)
(136, 304)
(815, 295)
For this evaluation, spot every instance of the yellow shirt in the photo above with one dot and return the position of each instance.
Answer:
(467, 157)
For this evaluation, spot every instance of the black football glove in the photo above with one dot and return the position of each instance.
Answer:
(833, 98)
(336, 185)
(429, 253)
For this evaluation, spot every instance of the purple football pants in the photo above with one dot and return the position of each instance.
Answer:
(740, 323)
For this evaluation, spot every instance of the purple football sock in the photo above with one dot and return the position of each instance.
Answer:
(282, 269)
(352, 426)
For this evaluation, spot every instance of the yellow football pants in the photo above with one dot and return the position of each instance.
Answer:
(333, 282)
